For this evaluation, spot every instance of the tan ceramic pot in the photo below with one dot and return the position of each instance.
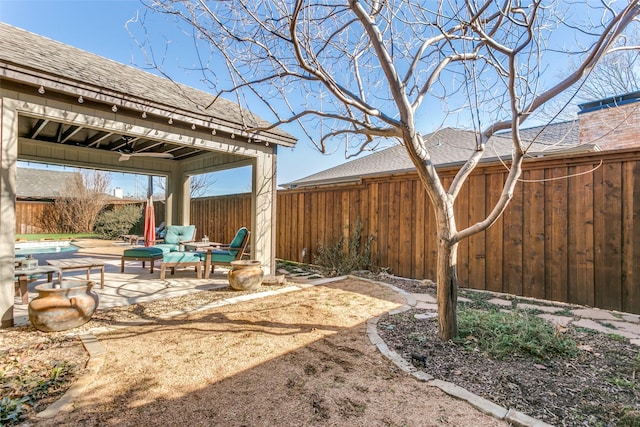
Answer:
(62, 306)
(246, 275)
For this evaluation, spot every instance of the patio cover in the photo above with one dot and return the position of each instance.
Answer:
(62, 105)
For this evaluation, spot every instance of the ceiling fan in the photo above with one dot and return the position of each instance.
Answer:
(127, 151)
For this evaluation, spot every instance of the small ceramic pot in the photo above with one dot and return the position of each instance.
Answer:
(245, 275)
(63, 305)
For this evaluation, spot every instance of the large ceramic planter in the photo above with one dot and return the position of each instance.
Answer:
(246, 275)
(62, 306)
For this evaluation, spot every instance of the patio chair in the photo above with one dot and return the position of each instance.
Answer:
(135, 239)
(161, 230)
(224, 254)
(175, 236)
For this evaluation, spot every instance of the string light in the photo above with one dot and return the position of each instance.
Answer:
(233, 135)
(213, 132)
(144, 114)
(193, 126)
(170, 121)
(80, 99)
(41, 90)
(114, 108)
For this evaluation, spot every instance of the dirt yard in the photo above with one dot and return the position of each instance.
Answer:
(299, 358)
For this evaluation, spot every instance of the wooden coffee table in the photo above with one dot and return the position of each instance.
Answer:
(25, 275)
(79, 264)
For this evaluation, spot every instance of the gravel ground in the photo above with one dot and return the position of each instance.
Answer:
(297, 358)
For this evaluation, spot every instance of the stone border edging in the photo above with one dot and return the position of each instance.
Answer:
(483, 405)
(94, 364)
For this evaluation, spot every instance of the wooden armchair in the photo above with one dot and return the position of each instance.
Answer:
(224, 254)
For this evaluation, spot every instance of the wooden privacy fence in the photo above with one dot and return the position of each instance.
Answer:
(31, 216)
(220, 217)
(573, 239)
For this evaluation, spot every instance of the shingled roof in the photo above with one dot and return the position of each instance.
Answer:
(448, 147)
(41, 183)
(24, 53)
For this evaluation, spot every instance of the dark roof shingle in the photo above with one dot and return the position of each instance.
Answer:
(41, 183)
(447, 146)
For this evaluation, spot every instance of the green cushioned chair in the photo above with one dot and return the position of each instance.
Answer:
(175, 236)
(141, 254)
(231, 252)
(180, 259)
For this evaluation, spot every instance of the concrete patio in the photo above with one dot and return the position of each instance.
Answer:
(135, 285)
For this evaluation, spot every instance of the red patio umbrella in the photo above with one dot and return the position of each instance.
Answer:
(149, 223)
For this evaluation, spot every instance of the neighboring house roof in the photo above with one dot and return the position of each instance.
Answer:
(41, 183)
(447, 147)
(47, 184)
(23, 51)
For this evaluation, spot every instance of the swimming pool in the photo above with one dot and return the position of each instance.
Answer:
(44, 247)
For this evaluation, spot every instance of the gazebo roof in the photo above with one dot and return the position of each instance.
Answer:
(54, 67)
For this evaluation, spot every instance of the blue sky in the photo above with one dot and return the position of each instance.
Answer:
(98, 26)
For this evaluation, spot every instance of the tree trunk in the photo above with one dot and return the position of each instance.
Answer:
(447, 282)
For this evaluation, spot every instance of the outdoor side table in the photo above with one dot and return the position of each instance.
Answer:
(79, 264)
(25, 274)
(204, 246)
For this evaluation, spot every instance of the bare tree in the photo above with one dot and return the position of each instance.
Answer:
(616, 74)
(361, 71)
(85, 196)
(199, 185)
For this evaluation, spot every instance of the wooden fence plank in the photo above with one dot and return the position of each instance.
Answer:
(533, 277)
(406, 226)
(383, 230)
(494, 236)
(477, 248)
(462, 217)
(556, 234)
(631, 269)
(608, 292)
(513, 219)
(580, 279)
(394, 227)
(420, 231)
(374, 222)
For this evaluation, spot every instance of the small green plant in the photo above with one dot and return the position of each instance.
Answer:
(12, 409)
(630, 418)
(114, 223)
(617, 337)
(608, 325)
(29, 387)
(338, 260)
(517, 332)
(621, 382)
